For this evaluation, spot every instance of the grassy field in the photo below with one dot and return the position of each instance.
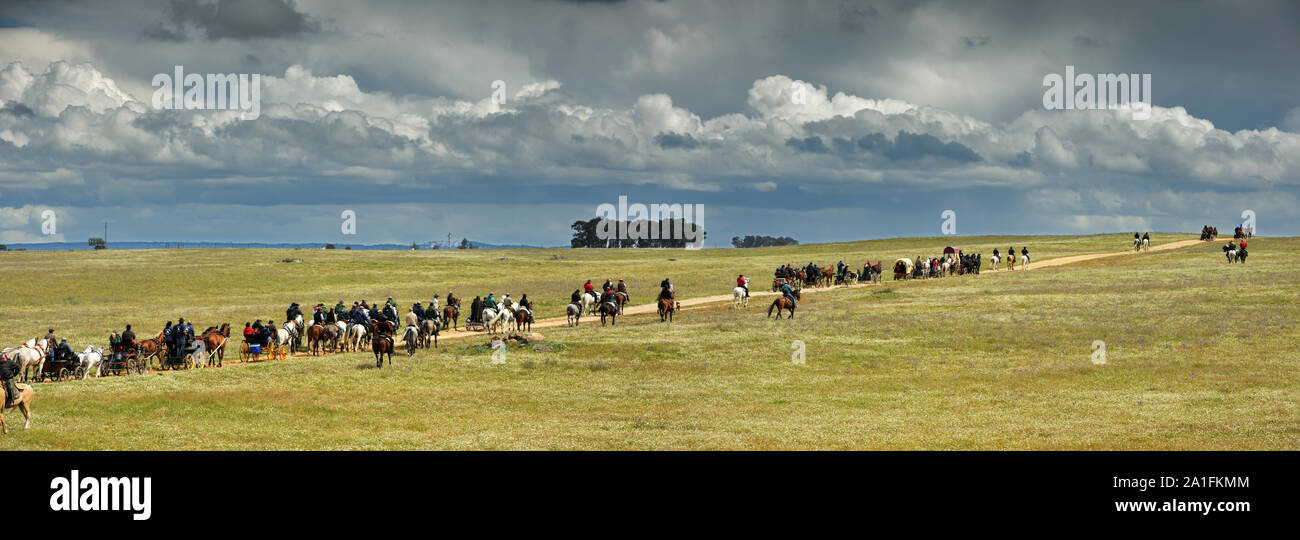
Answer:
(1200, 354)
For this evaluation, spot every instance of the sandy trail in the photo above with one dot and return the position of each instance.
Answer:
(651, 309)
(702, 300)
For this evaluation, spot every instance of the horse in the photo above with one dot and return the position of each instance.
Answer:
(450, 314)
(149, 349)
(382, 345)
(608, 308)
(783, 303)
(356, 333)
(1024, 261)
(573, 313)
(412, 338)
(738, 298)
(1011, 261)
(1137, 244)
(666, 308)
(91, 360)
(214, 341)
(29, 354)
(1146, 244)
(524, 319)
(620, 298)
(428, 327)
(24, 403)
(494, 319)
(293, 331)
(589, 301)
(329, 337)
(994, 260)
(315, 333)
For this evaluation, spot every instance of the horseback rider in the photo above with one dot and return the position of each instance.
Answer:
(418, 310)
(526, 304)
(742, 282)
(412, 318)
(506, 302)
(575, 298)
(8, 372)
(666, 290)
(340, 311)
(589, 288)
(1146, 237)
(293, 312)
(51, 339)
(490, 302)
(608, 286)
(452, 300)
(391, 302)
(390, 312)
(433, 304)
(788, 292)
(607, 296)
(622, 287)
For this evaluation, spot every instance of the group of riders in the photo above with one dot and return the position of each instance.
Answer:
(1210, 233)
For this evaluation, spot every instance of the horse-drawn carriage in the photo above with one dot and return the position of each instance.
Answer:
(123, 359)
(778, 282)
(903, 268)
(61, 364)
(262, 347)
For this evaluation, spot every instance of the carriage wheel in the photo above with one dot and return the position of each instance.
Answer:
(63, 374)
(79, 372)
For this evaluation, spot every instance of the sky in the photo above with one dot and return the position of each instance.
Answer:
(506, 121)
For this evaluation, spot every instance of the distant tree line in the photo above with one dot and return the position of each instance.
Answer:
(752, 241)
(586, 234)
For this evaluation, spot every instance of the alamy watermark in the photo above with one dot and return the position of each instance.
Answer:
(1102, 91)
(212, 92)
(683, 222)
(949, 223)
(1098, 352)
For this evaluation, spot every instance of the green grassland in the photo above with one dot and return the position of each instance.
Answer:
(1200, 354)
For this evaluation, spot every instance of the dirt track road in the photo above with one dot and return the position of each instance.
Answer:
(652, 308)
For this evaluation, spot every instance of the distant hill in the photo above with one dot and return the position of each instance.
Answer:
(81, 246)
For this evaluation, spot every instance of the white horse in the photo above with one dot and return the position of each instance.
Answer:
(29, 354)
(738, 298)
(92, 360)
(493, 319)
(356, 334)
(294, 331)
(1137, 244)
(1024, 261)
(589, 302)
(574, 312)
(994, 260)
(1146, 244)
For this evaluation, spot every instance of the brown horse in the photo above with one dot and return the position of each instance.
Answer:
(666, 309)
(214, 341)
(524, 320)
(449, 315)
(784, 303)
(620, 298)
(428, 328)
(383, 344)
(24, 403)
(609, 309)
(149, 349)
(315, 333)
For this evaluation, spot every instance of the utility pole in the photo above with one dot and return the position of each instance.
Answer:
(105, 233)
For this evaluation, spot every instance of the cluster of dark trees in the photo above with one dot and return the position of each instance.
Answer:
(751, 241)
(586, 234)
(97, 243)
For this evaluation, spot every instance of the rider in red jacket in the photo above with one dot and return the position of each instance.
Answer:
(588, 287)
(743, 283)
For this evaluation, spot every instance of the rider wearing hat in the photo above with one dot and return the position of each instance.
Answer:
(490, 302)
(622, 287)
(788, 292)
(418, 310)
(8, 371)
(665, 290)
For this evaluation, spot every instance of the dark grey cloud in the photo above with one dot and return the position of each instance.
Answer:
(972, 42)
(231, 19)
(676, 140)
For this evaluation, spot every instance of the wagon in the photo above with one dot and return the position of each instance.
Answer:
(906, 271)
(122, 360)
(778, 282)
(179, 359)
(59, 367)
(255, 350)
